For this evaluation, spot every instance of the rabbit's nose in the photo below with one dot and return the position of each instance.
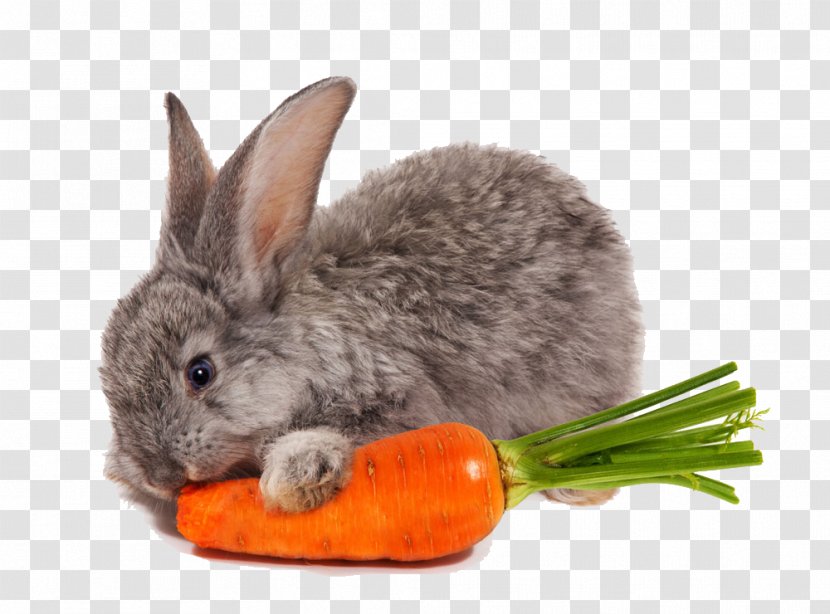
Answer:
(167, 477)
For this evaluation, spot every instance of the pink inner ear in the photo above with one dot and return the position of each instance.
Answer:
(281, 184)
(210, 170)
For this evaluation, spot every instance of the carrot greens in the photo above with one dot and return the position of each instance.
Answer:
(657, 446)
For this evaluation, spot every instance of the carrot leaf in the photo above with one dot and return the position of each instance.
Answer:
(666, 445)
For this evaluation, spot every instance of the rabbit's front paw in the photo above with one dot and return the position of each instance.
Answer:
(304, 469)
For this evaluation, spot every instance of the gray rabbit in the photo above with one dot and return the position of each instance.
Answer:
(464, 283)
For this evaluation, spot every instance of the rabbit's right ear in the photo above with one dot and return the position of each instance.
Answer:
(190, 178)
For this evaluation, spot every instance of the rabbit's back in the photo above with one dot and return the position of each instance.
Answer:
(491, 268)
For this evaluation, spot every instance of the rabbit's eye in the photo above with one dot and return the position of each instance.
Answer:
(199, 373)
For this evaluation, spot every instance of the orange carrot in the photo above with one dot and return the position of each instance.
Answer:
(418, 495)
(438, 490)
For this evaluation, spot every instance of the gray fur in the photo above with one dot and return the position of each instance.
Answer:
(306, 468)
(190, 178)
(464, 283)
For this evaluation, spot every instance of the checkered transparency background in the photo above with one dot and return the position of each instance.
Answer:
(705, 128)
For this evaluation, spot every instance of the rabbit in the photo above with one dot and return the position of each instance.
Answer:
(470, 283)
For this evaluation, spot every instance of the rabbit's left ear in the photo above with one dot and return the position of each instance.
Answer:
(264, 196)
(280, 183)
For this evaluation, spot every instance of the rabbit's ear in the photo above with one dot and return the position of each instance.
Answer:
(261, 204)
(278, 190)
(190, 178)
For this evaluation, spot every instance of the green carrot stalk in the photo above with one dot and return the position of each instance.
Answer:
(694, 481)
(711, 450)
(665, 445)
(658, 422)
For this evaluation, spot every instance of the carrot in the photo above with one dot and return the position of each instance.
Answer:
(438, 490)
(414, 496)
